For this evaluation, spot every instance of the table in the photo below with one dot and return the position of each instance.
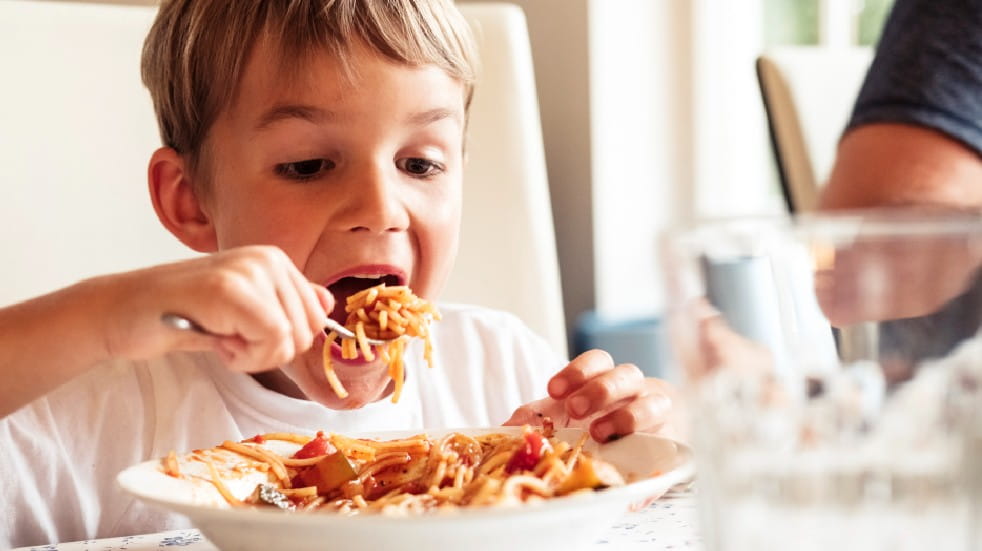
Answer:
(667, 524)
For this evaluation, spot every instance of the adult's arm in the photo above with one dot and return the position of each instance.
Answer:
(915, 136)
(898, 164)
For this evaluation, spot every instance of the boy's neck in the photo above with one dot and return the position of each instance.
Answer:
(277, 381)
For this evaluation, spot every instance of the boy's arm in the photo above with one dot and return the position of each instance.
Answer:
(262, 308)
(47, 341)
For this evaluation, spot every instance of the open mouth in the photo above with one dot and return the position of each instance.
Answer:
(349, 285)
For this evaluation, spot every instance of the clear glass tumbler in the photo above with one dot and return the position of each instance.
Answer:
(833, 370)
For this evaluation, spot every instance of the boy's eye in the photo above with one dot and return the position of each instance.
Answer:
(419, 167)
(304, 170)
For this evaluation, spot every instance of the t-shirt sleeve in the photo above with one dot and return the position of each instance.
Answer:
(928, 70)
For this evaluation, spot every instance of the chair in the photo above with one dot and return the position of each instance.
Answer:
(507, 256)
(78, 129)
(808, 93)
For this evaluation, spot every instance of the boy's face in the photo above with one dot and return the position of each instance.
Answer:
(350, 176)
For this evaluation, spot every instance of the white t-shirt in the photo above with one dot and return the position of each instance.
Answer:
(61, 453)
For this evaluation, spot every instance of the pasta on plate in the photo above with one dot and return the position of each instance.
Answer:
(419, 474)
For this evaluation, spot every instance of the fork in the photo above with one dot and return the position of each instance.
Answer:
(183, 323)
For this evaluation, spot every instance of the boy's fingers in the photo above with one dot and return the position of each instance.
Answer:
(256, 317)
(583, 368)
(296, 299)
(325, 297)
(231, 350)
(313, 305)
(643, 414)
(524, 415)
(601, 392)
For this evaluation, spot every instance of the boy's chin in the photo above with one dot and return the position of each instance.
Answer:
(365, 382)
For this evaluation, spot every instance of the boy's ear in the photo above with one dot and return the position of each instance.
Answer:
(178, 207)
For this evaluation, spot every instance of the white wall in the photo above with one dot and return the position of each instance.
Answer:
(614, 83)
(641, 116)
(734, 174)
(558, 31)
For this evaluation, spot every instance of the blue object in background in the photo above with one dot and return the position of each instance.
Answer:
(640, 341)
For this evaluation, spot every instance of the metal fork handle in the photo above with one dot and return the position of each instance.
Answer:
(183, 323)
(331, 325)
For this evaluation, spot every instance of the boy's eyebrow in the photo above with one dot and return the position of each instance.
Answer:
(308, 113)
(317, 115)
(434, 115)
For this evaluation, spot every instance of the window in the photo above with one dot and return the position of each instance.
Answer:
(799, 21)
(734, 169)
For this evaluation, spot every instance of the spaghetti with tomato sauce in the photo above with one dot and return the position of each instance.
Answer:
(331, 472)
(391, 313)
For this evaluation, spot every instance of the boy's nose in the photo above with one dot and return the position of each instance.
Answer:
(374, 204)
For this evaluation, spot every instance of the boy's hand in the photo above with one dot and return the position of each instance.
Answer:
(262, 309)
(613, 400)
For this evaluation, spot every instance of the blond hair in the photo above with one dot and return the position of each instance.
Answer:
(196, 51)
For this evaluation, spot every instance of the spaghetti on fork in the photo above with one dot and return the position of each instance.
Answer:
(383, 312)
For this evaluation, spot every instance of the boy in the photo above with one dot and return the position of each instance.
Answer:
(315, 147)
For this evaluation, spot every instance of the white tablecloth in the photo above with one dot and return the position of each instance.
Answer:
(667, 524)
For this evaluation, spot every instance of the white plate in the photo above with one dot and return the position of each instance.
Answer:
(560, 523)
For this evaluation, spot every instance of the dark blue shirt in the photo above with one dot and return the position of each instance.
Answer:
(928, 70)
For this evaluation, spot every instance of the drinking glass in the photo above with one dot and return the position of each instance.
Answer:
(832, 368)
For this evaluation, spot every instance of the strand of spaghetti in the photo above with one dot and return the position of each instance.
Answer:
(387, 455)
(408, 445)
(290, 462)
(428, 350)
(396, 372)
(288, 436)
(313, 504)
(170, 465)
(448, 493)
(372, 293)
(329, 374)
(439, 473)
(401, 479)
(384, 464)
(394, 291)
(348, 351)
(494, 461)
(575, 454)
(350, 446)
(394, 316)
(366, 350)
(486, 491)
(458, 479)
(305, 492)
(274, 461)
(514, 484)
(220, 486)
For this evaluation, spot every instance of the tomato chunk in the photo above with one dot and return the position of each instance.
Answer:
(317, 447)
(528, 456)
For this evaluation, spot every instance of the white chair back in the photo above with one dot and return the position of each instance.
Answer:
(809, 92)
(78, 128)
(507, 254)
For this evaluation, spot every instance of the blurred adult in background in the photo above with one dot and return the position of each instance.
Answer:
(915, 140)
(915, 136)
